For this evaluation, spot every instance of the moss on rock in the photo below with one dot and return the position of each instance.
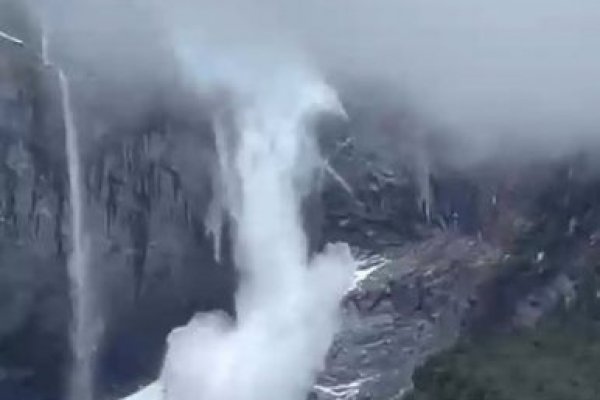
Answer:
(557, 361)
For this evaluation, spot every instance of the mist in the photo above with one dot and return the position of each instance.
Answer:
(287, 302)
(497, 77)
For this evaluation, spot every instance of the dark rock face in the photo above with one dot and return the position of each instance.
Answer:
(366, 204)
(147, 186)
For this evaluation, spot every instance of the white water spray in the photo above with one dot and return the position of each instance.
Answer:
(287, 304)
(83, 329)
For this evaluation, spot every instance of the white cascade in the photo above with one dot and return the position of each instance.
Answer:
(287, 303)
(84, 322)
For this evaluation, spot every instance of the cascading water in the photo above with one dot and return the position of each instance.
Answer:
(287, 303)
(83, 328)
(423, 173)
(84, 325)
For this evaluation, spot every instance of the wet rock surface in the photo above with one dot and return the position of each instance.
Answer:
(146, 196)
(444, 287)
(413, 304)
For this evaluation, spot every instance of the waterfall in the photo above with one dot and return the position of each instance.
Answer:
(44, 46)
(287, 303)
(339, 179)
(423, 174)
(83, 328)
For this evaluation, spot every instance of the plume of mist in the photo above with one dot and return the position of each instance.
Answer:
(287, 303)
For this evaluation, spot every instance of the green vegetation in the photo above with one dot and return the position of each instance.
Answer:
(559, 360)
(552, 363)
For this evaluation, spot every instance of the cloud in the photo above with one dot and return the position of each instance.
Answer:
(502, 75)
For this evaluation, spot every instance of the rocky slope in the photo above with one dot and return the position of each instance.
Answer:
(483, 288)
(415, 303)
